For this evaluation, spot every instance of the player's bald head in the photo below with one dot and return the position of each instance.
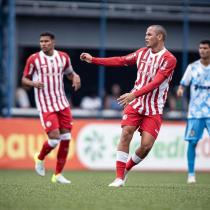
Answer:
(160, 30)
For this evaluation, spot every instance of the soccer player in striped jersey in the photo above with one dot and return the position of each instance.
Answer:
(144, 104)
(197, 76)
(44, 72)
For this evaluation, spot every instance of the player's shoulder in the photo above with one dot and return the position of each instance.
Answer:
(143, 49)
(195, 63)
(33, 56)
(62, 53)
(169, 56)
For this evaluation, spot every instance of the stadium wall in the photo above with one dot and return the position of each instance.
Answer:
(93, 146)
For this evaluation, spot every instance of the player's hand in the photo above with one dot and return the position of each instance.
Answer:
(76, 82)
(180, 91)
(38, 85)
(86, 57)
(126, 98)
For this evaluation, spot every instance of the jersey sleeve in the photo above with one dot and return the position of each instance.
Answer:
(29, 67)
(168, 66)
(186, 79)
(127, 60)
(158, 80)
(68, 69)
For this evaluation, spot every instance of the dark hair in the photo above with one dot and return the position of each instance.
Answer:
(47, 33)
(205, 42)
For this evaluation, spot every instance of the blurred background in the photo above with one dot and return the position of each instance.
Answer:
(102, 28)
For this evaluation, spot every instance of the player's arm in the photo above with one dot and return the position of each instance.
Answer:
(180, 91)
(164, 72)
(71, 74)
(185, 81)
(27, 82)
(128, 97)
(111, 61)
(76, 81)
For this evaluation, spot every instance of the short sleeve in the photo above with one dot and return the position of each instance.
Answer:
(29, 67)
(186, 79)
(68, 69)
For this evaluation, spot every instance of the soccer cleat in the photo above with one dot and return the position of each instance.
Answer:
(39, 165)
(59, 178)
(191, 179)
(117, 183)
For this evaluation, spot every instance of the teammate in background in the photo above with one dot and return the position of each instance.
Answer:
(44, 72)
(197, 75)
(144, 104)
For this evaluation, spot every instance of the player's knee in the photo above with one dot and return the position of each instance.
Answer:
(127, 133)
(53, 142)
(146, 147)
(55, 134)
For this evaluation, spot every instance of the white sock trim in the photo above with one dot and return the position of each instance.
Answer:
(53, 142)
(136, 159)
(122, 156)
(65, 136)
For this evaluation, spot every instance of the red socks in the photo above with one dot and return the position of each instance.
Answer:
(130, 164)
(46, 149)
(62, 155)
(120, 169)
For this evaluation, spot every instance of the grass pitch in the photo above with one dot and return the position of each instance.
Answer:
(24, 190)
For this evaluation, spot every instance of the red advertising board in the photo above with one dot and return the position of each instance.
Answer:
(21, 138)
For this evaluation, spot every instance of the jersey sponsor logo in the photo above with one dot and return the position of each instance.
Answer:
(145, 61)
(43, 66)
(52, 74)
(146, 73)
(149, 63)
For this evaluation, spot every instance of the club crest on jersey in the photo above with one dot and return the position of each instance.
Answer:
(48, 124)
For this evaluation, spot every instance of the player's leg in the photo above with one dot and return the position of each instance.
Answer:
(129, 124)
(149, 129)
(193, 133)
(50, 124)
(65, 121)
(191, 154)
(122, 155)
(141, 152)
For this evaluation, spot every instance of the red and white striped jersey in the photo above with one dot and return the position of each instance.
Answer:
(50, 71)
(148, 65)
